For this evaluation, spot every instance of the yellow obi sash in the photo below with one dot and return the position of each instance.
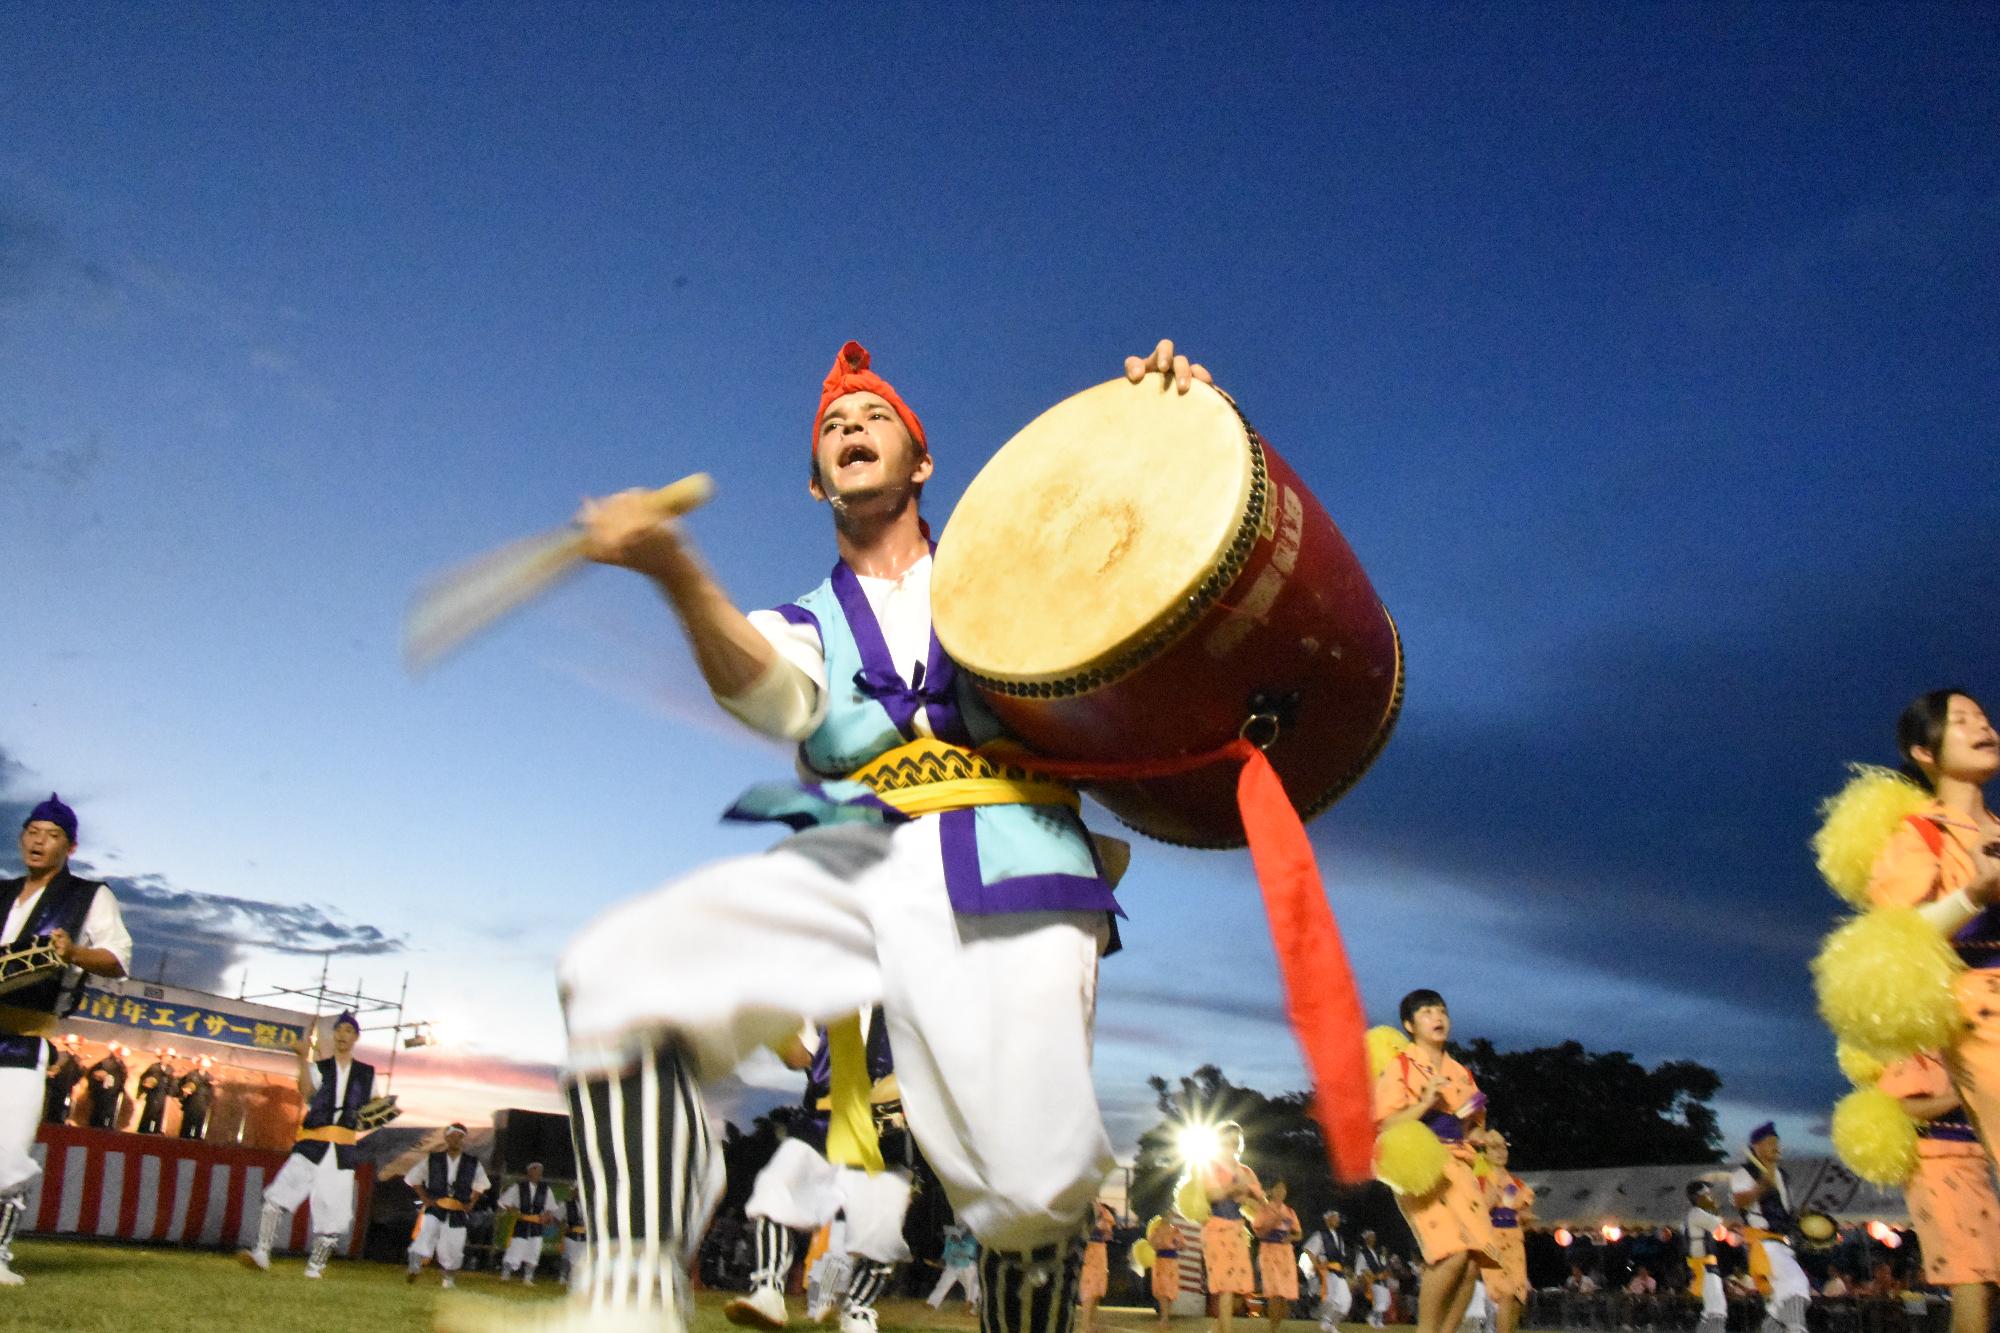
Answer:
(928, 776)
(449, 1204)
(329, 1134)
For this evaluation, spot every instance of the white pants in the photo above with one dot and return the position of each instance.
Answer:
(574, 1250)
(1788, 1283)
(964, 1275)
(1714, 1304)
(522, 1251)
(436, 1240)
(1333, 1305)
(328, 1190)
(802, 1190)
(21, 1094)
(1475, 1309)
(989, 1016)
(1378, 1308)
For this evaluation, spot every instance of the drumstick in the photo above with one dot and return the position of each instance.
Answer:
(462, 601)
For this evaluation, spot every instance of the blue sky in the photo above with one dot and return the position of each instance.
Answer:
(1647, 357)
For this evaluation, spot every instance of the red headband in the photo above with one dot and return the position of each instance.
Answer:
(850, 374)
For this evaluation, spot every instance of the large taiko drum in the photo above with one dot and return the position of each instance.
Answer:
(1137, 575)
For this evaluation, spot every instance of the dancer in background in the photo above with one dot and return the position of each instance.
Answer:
(448, 1183)
(1703, 1229)
(1165, 1238)
(1761, 1191)
(320, 1171)
(1225, 1241)
(1096, 1279)
(1512, 1209)
(1276, 1227)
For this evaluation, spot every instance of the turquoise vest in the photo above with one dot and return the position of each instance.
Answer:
(997, 858)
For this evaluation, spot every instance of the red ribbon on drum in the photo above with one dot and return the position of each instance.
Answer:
(1322, 1002)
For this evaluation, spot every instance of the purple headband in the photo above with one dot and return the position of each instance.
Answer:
(54, 812)
(1767, 1130)
(347, 1016)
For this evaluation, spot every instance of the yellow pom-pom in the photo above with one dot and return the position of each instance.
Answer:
(1384, 1044)
(1190, 1199)
(1885, 984)
(1875, 1137)
(1861, 1068)
(1856, 824)
(1142, 1254)
(1409, 1159)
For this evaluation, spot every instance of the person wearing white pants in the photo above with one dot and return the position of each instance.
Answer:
(960, 1262)
(80, 920)
(961, 895)
(319, 1173)
(1760, 1190)
(534, 1208)
(1703, 1221)
(448, 1183)
(800, 1189)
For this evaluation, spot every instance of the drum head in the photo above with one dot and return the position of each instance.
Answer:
(1090, 528)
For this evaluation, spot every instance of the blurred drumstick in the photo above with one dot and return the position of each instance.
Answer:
(460, 602)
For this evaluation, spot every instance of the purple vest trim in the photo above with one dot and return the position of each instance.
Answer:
(958, 842)
(881, 681)
(1506, 1217)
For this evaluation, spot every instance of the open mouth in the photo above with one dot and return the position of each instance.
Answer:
(855, 453)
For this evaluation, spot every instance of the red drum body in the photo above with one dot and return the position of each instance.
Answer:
(1138, 576)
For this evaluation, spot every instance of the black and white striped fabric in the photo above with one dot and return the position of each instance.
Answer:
(1033, 1292)
(10, 1221)
(774, 1254)
(643, 1151)
(865, 1286)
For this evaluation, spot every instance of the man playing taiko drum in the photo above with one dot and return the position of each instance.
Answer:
(982, 955)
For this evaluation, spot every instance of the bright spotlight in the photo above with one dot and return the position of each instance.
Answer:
(1198, 1143)
(1563, 1237)
(1610, 1232)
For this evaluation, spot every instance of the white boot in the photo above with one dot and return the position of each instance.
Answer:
(259, 1255)
(764, 1307)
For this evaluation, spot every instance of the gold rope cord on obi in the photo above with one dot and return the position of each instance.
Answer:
(927, 776)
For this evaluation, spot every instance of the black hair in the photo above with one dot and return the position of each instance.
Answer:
(1418, 999)
(1696, 1188)
(1922, 727)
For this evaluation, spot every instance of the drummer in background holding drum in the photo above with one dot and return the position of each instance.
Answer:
(985, 966)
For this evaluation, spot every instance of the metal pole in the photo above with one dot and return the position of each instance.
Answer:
(396, 1036)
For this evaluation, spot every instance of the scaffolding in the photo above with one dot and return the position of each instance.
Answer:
(327, 999)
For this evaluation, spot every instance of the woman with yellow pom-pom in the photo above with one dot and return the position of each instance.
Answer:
(1225, 1242)
(1165, 1238)
(1951, 1197)
(1944, 861)
(1422, 1085)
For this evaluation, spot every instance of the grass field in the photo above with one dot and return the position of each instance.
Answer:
(80, 1288)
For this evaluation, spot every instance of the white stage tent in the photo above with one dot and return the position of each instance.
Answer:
(1657, 1195)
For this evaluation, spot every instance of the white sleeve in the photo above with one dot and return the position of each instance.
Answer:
(480, 1184)
(419, 1177)
(509, 1200)
(312, 1073)
(1950, 912)
(104, 928)
(789, 700)
(1316, 1245)
(1740, 1182)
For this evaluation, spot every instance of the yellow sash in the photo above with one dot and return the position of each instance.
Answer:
(928, 776)
(328, 1134)
(850, 1126)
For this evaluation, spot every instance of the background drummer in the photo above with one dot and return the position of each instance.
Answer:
(987, 984)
